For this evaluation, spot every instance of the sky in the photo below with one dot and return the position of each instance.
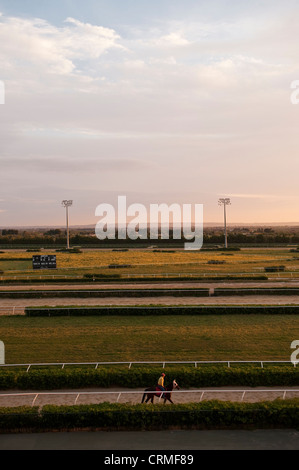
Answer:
(160, 101)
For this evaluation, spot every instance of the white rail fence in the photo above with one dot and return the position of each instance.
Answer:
(259, 272)
(130, 364)
(118, 394)
(12, 310)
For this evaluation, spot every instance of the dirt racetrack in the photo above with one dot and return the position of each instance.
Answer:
(124, 395)
(155, 285)
(17, 306)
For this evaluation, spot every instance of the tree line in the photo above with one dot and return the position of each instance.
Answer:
(58, 238)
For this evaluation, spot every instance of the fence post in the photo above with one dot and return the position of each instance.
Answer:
(2, 353)
(34, 399)
(77, 398)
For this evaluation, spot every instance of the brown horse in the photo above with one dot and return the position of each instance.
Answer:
(151, 392)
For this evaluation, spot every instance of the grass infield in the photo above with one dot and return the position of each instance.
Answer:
(148, 338)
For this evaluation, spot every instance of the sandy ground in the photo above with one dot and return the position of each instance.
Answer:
(17, 306)
(160, 285)
(124, 395)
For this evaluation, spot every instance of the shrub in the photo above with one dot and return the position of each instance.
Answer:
(283, 414)
(256, 291)
(187, 377)
(119, 266)
(272, 269)
(163, 310)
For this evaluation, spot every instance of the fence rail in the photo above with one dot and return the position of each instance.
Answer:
(130, 364)
(12, 310)
(118, 394)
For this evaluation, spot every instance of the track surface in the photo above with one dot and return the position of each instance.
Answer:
(6, 305)
(154, 285)
(100, 395)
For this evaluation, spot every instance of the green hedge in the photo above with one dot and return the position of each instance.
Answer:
(101, 277)
(176, 292)
(24, 418)
(273, 269)
(219, 291)
(162, 310)
(133, 280)
(205, 415)
(136, 377)
(102, 293)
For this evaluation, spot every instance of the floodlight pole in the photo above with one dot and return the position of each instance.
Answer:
(224, 202)
(225, 229)
(67, 204)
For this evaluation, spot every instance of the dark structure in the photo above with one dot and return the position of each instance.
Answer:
(44, 262)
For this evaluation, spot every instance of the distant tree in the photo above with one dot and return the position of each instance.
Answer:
(9, 232)
(53, 232)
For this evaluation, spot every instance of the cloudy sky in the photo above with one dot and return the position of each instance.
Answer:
(169, 101)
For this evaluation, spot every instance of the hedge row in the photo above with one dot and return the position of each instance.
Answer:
(187, 377)
(219, 291)
(105, 293)
(176, 292)
(135, 280)
(205, 415)
(274, 269)
(162, 310)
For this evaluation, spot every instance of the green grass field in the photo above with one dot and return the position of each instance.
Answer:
(236, 337)
(148, 262)
(88, 339)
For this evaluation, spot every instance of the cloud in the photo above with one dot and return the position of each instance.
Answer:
(182, 105)
(172, 39)
(36, 43)
(75, 165)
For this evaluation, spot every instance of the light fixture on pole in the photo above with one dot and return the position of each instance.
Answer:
(224, 202)
(67, 204)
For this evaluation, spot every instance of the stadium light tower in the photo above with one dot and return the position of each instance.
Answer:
(67, 204)
(224, 202)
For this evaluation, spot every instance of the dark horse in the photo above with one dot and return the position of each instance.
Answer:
(151, 392)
